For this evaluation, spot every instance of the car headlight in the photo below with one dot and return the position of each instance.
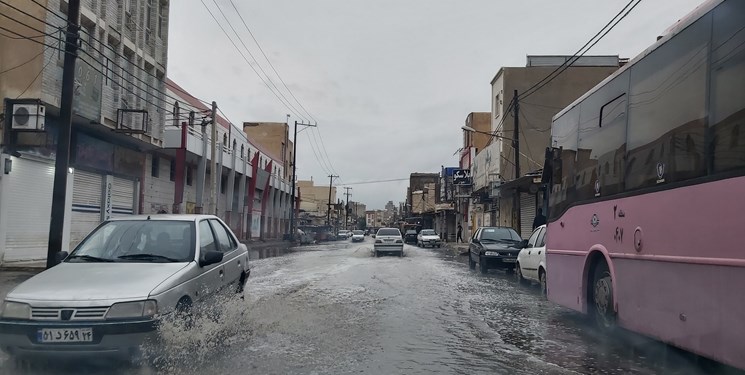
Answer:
(16, 310)
(133, 309)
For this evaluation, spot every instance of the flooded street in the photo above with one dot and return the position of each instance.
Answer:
(335, 309)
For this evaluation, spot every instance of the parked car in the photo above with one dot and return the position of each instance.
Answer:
(107, 296)
(344, 234)
(388, 240)
(428, 237)
(410, 236)
(494, 247)
(531, 261)
(358, 236)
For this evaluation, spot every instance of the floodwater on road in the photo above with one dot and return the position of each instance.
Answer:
(336, 309)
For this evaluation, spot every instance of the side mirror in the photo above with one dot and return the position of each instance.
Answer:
(373, 235)
(522, 244)
(210, 257)
(60, 256)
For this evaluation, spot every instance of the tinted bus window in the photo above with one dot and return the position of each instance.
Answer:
(667, 110)
(564, 134)
(728, 86)
(602, 140)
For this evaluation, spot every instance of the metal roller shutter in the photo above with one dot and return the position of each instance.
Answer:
(29, 201)
(122, 196)
(527, 214)
(86, 205)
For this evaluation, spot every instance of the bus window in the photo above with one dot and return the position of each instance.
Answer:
(665, 138)
(564, 135)
(728, 87)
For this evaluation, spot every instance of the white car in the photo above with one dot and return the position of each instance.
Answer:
(428, 237)
(358, 236)
(389, 240)
(344, 234)
(531, 261)
(107, 297)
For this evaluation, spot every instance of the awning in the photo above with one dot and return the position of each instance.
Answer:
(530, 183)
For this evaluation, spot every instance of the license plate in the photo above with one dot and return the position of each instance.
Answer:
(55, 335)
(491, 253)
(509, 260)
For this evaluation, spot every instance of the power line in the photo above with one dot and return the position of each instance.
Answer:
(270, 62)
(590, 43)
(25, 62)
(51, 58)
(246, 59)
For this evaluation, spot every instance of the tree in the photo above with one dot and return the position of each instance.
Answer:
(362, 223)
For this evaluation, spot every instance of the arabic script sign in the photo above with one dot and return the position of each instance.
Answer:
(462, 177)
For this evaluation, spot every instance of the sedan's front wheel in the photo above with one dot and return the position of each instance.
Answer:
(471, 262)
(483, 267)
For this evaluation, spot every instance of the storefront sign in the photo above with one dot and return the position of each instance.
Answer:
(462, 177)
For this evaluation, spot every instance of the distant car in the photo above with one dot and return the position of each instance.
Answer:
(428, 237)
(531, 261)
(106, 298)
(344, 234)
(410, 236)
(388, 240)
(494, 247)
(358, 236)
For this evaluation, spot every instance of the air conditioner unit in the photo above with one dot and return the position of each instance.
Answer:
(28, 117)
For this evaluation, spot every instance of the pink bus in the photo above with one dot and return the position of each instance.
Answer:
(647, 191)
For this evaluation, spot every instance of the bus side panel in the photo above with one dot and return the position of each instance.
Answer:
(693, 306)
(565, 287)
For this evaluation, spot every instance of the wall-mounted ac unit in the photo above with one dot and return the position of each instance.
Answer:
(28, 117)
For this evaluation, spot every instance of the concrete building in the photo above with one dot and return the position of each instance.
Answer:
(253, 196)
(314, 202)
(275, 138)
(120, 85)
(496, 187)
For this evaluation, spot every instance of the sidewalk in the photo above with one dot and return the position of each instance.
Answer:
(456, 248)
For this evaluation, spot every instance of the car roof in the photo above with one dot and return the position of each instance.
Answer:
(170, 217)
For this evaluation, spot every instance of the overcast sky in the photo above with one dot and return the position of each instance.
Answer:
(390, 82)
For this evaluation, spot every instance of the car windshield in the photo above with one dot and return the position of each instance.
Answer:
(389, 232)
(499, 234)
(428, 232)
(138, 241)
(408, 232)
(358, 232)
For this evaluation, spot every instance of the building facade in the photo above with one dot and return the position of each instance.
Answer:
(118, 115)
(314, 203)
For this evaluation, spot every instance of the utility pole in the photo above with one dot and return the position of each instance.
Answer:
(294, 177)
(214, 174)
(346, 207)
(62, 159)
(328, 212)
(516, 145)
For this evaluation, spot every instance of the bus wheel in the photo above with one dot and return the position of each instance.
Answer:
(602, 297)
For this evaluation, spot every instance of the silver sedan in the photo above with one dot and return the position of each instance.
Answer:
(108, 295)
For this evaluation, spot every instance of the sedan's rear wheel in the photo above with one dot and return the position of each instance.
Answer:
(542, 281)
(519, 275)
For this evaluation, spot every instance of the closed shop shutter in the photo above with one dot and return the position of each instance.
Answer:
(86, 205)
(527, 214)
(122, 196)
(29, 201)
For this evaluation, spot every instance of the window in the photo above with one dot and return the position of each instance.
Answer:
(155, 166)
(226, 242)
(667, 109)
(727, 108)
(206, 239)
(161, 14)
(541, 241)
(602, 140)
(564, 135)
(109, 72)
(533, 240)
(223, 184)
(172, 172)
(497, 106)
(189, 175)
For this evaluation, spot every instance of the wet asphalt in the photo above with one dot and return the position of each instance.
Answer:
(336, 309)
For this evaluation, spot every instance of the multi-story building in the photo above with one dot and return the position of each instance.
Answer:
(314, 201)
(119, 110)
(275, 138)
(497, 187)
